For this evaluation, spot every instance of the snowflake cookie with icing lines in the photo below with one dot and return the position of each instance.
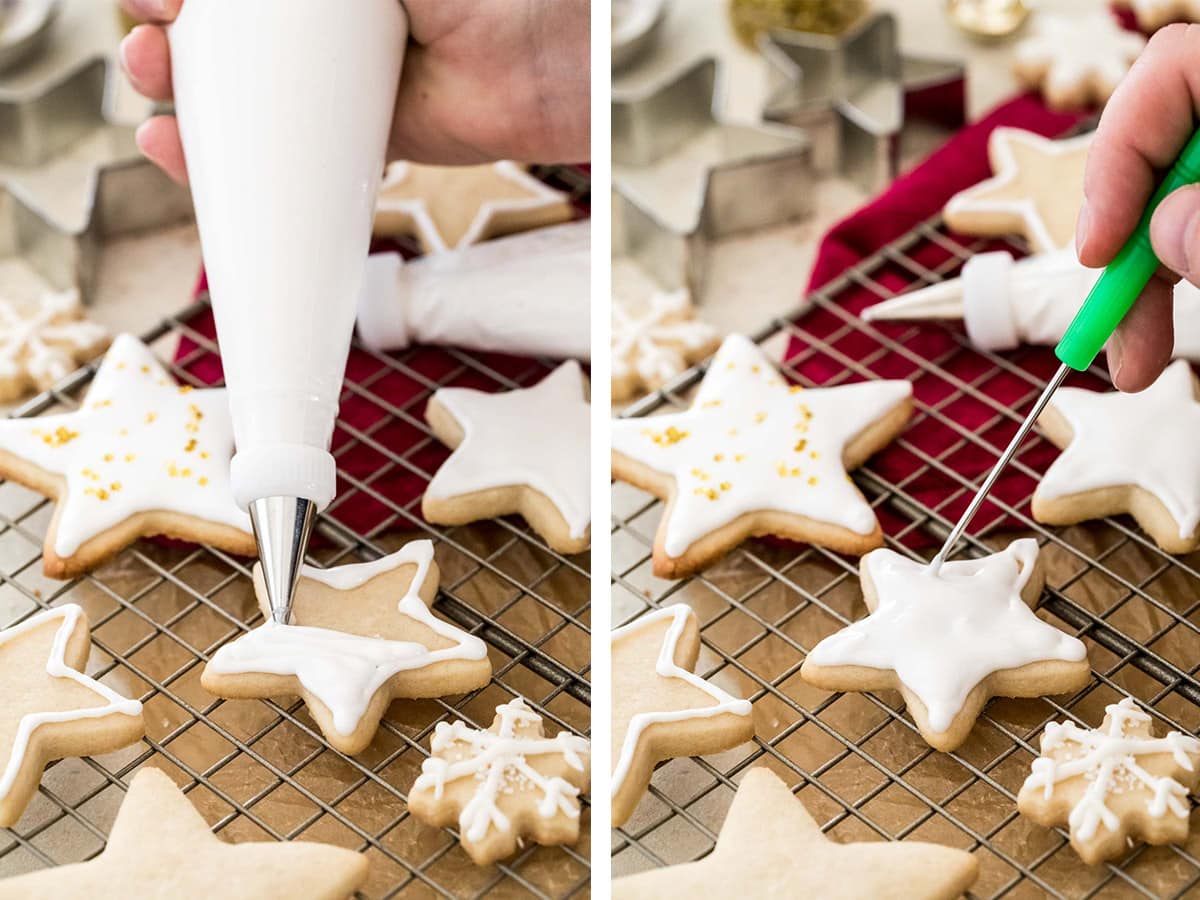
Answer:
(652, 346)
(660, 708)
(504, 785)
(1113, 784)
(51, 709)
(755, 456)
(1154, 14)
(951, 640)
(1109, 466)
(1036, 190)
(447, 207)
(1076, 60)
(44, 341)
(141, 456)
(360, 636)
(524, 451)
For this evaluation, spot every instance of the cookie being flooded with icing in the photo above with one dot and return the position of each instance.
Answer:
(949, 641)
(361, 636)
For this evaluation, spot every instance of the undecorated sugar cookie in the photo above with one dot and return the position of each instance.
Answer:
(755, 456)
(661, 709)
(950, 641)
(141, 456)
(160, 846)
(1154, 14)
(652, 346)
(51, 709)
(504, 785)
(1113, 784)
(1127, 453)
(1076, 60)
(524, 451)
(360, 636)
(770, 846)
(43, 341)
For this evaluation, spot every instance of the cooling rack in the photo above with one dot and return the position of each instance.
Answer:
(259, 770)
(855, 760)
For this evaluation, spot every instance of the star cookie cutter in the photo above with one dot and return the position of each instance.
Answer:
(762, 174)
(855, 93)
(126, 193)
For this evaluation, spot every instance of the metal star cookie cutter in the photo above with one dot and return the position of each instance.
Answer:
(24, 27)
(849, 91)
(126, 193)
(750, 177)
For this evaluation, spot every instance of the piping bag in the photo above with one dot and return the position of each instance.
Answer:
(284, 107)
(1109, 300)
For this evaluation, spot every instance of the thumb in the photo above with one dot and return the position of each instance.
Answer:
(1175, 232)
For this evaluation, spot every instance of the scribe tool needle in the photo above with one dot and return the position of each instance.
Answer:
(1106, 305)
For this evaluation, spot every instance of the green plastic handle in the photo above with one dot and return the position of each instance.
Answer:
(1123, 279)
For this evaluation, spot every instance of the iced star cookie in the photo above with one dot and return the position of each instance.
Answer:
(447, 207)
(524, 451)
(950, 641)
(360, 636)
(50, 708)
(503, 786)
(141, 456)
(754, 456)
(160, 846)
(1154, 14)
(43, 341)
(1109, 467)
(1036, 190)
(770, 846)
(1075, 60)
(660, 708)
(1113, 784)
(652, 346)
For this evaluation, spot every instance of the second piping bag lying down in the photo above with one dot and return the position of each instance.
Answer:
(1004, 303)
(527, 295)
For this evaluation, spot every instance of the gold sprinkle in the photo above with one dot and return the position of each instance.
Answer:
(706, 492)
(739, 457)
(59, 436)
(191, 428)
(186, 473)
(725, 485)
(123, 432)
(129, 457)
(754, 368)
(730, 367)
(195, 410)
(108, 457)
(760, 417)
(150, 417)
(732, 431)
(145, 369)
(795, 389)
(801, 444)
(204, 454)
(162, 382)
(781, 468)
(172, 469)
(120, 365)
(101, 404)
(812, 479)
(795, 473)
(700, 473)
(98, 493)
(203, 481)
(814, 455)
(115, 486)
(190, 446)
(709, 404)
(663, 438)
(185, 389)
(717, 457)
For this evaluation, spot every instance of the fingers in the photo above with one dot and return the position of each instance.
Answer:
(146, 59)
(1142, 345)
(158, 11)
(1144, 126)
(158, 139)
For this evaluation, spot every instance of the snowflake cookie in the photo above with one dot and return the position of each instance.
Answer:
(1114, 783)
(503, 785)
(44, 341)
(1154, 14)
(1076, 60)
(652, 346)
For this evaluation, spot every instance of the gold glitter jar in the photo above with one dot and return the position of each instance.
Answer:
(751, 17)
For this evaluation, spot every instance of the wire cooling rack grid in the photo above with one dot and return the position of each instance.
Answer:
(260, 770)
(855, 759)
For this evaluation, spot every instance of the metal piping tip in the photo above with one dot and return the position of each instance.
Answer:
(282, 526)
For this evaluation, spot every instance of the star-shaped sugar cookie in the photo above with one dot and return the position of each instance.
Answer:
(524, 451)
(1127, 453)
(50, 708)
(42, 341)
(1113, 784)
(160, 846)
(754, 456)
(141, 456)
(660, 708)
(1036, 190)
(1077, 59)
(447, 207)
(360, 636)
(770, 846)
(504, 785)
(949, 641)
(653, 345)
(1153, 14)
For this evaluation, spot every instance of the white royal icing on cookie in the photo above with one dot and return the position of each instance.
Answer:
(1148, 439)
(723, 702)
(345, 670)
(535, 437)
(750, 442)
(42, 342)
(57, 667)
(1079, 47)
(942, 634)
(659, 343)
(498, 762)
(138, 443)
(1108, 760)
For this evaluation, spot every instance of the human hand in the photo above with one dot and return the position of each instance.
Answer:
(1143, 128)
(504, 79)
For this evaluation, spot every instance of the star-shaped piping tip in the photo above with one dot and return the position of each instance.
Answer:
(56, 711)
(661, 709)
(159, 842)
(770, 846)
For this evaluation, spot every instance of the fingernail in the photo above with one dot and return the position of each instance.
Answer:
(1175, 229)
(122, 51)
(1115, 359)
(1081, 228)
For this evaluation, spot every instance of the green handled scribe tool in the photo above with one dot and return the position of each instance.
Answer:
(1106, 305)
